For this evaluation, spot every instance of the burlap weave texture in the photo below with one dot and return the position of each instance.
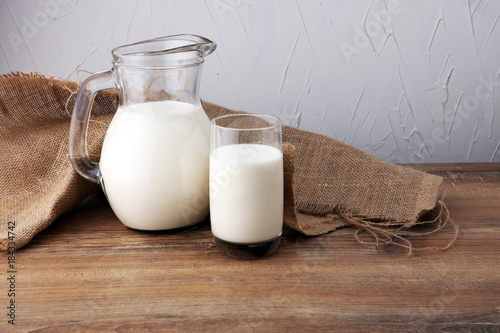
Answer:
(326, 181)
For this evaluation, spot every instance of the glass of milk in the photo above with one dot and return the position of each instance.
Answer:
(246, 184)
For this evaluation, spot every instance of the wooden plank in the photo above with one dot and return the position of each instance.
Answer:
(88, 272)
(455, 167)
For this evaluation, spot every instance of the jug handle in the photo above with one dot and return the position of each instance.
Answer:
(78, 153)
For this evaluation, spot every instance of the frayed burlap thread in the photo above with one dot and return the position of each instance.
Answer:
(328, 184)
(396, 232)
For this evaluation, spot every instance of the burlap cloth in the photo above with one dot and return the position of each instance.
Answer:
(328, 184)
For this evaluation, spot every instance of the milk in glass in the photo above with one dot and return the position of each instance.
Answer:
(246, 193)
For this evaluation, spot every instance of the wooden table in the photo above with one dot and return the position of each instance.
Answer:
(88, 272)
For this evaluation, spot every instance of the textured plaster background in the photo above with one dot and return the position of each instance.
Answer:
(405, 80)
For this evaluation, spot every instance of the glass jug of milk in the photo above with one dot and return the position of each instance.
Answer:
(154, 163)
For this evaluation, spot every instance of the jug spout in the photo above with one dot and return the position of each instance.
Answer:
(181, 50)
(193, 43)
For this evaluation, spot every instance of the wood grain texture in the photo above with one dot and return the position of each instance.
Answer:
(88, 273)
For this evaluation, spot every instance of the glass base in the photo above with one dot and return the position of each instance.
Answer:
(247, 251)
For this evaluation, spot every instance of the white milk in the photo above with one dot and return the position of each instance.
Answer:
(154, 165)
(246, 193)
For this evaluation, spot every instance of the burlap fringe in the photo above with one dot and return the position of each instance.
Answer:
(31, 75)
(395, 232)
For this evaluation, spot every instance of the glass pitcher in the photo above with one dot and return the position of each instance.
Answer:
(155, 157)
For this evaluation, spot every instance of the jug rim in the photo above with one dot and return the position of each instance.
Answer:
(173, 51)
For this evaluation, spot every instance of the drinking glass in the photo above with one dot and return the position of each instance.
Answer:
(246, 184)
